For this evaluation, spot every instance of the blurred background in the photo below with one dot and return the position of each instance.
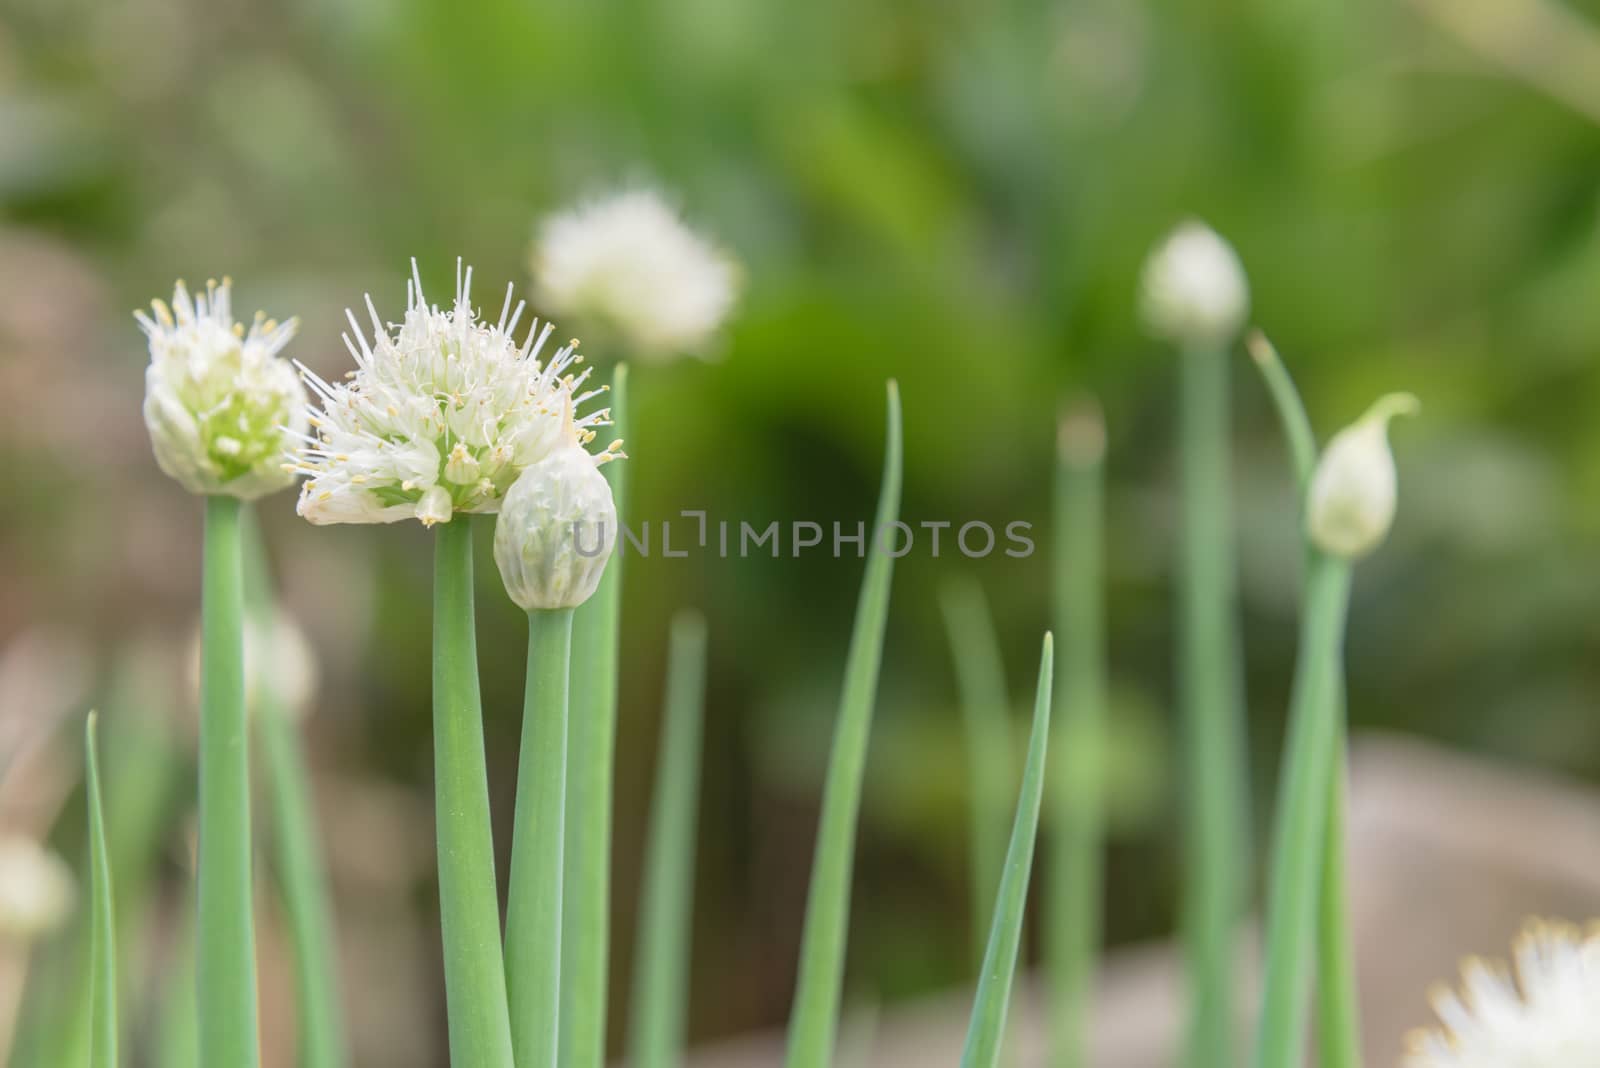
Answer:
(957, 195)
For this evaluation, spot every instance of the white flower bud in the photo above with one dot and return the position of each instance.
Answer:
(36, 888)
(435, 506)
(1194, 290)
(556, 530)
(221, 407)
(1351, 501)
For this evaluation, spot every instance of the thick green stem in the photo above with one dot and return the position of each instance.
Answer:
(814, 1020)
(986, 1029)
(103, 926)
(297, 852)
(1073, 900)
(1300, 831)
(1338, 1016)
(661, 970)
(533, 910)
(986, 725)
(1209, 674)
(226, 956)
(1338, 1021)
(469, 908)
(591, 744)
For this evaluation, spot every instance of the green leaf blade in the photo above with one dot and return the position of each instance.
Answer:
(103, 930)
(814, 1020)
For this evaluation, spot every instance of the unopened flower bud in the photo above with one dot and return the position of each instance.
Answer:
(435, 506)
(36, 888)
(556, 529)
(1194, 290)
(1351, 502)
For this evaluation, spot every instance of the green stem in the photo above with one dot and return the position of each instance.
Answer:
(814, 1020)
(533, 909)
(297, 850)
(1074, 897)
(1298, 855)
(1338, 1021)
(226, 955)
(661, 974)
(1338, 1017)
(469, 908)
(103, 934)
(591, 745)
(1217, 856)
(986, 1030)
(986, 723)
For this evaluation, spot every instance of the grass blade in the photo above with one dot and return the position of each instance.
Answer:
(297, 850)
(1073, 902)
(103, 936)
(533, 910)
(1209, 676)
(226, 961)
(469, 904)
(814, 1021)
(661, 972)
(986, 723)
(987, 1028)
(591, 744)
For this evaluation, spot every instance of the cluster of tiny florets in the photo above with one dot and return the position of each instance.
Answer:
(1547, 1017)
(628, 265)
(441, 414)
(221, 406)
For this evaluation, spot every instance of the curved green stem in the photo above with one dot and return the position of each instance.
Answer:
(469, 907)
(533, 909)
(814, 1021)
(1209, 672)
(591, 744)
(226, 953)
(1300, 832)
(986, 1030)
(661, 971)
(103, 930)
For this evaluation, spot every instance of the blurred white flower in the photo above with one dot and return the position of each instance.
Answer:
(629, 264)
(276, 655)
(1194, 290)
(1350, 504)
(36, 888)
(440, 415)
(219, 403)
(556, 532)
(1549, 1017)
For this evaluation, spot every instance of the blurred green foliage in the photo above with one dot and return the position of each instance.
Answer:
(956, 194)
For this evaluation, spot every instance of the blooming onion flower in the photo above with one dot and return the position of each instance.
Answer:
(629, 264)
(220, 405)
(441, 414)
(1549, 1017)
(1193, 290)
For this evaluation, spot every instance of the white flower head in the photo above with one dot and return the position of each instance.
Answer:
(627, 263)
(556, 532)
(441, 414)
(220, 405)
(1350, 504)
(1193, 290)
(36, 888)
(1548, 1017)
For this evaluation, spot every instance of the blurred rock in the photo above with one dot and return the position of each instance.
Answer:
(1450, 855)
